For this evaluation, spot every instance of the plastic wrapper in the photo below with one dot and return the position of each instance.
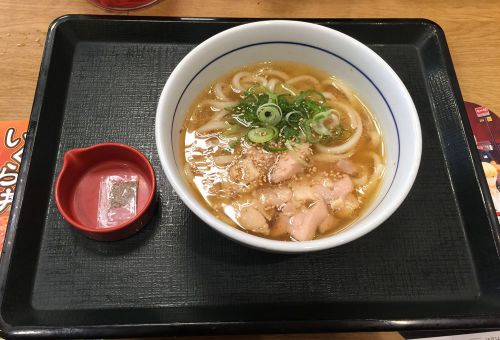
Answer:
(117, 200)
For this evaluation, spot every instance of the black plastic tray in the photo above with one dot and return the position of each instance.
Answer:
(433, 264)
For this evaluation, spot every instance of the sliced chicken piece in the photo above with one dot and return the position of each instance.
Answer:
(288, 164)
(303, 225)
(333, 190)
(348, 206)
(285, 168)
(347, 166)
(261, 158)
(247, 171)
(280, 226)
(282, 223)
(304, 192)
(274, 197)
(244, 171)
(342, 187)
(328, 224)
(252, 219)
(267, 212)
(335, 205)
(289, 209)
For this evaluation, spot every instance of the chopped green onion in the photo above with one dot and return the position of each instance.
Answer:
(333, 120)
(273, 118)
(273, 98)
(269, 114)
(249, 96)
(254, 89)
(319, 128)
(310, 93)
(270, 148)
(317, 123)
(289, 133)
(293, 117)
(306, 128)
(262, 135)
(339, 131)
(321, 116)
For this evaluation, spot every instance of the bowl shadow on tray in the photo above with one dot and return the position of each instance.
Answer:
(127, 245)
(208, 243)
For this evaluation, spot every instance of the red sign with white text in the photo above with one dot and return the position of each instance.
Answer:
(12, 138)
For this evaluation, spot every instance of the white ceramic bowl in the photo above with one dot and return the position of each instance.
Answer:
(334, 52)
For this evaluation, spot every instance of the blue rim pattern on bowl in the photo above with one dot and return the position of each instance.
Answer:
(317, 48)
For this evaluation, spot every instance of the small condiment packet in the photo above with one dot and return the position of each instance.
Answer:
(117, 200)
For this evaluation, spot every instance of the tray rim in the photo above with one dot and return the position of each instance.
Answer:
(186, 328)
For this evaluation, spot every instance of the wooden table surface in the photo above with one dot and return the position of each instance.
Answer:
(472, 29)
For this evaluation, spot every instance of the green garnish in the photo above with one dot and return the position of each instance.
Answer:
(318, 123)
(262, 135)
(276, 120)
(270, 148)
(293, 117)
(269, 114)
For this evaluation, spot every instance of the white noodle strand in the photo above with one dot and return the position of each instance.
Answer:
(235, 82)
(328, 95)
(212, 125)
(378, 166)
(353, 140)
(217, 105)
(331, 158)
(276, 73)
(254, 79)
(271, 84)
(219, 92)
(339, 86)
(304, 77)
(378, 169)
